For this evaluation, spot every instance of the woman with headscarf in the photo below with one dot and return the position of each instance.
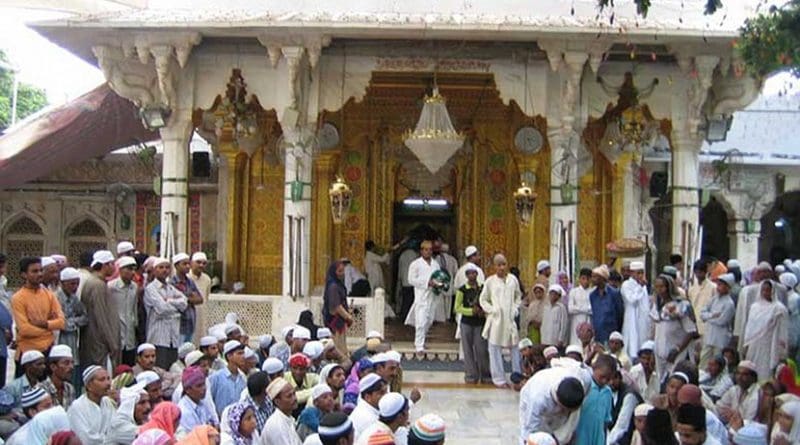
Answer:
(45, 424)
(242, 423)
(165, 416)
(335, 312)
(562, 279)
(351, 390)
(533, 307)
(766, 332)
(787, 426)
(201, 435)
(127, 418)
(674, 323)
(789, 280)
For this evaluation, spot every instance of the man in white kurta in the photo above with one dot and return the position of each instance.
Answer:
(636, 322)
(90, 415)
(579, 306)
(743, 396)
(444, 305)
(474, 258)
(541, 409)
(766, 333)
(500, 300)
(280, 425)
(371, 388)
(422, 311)
(747, 296)
(372, 266)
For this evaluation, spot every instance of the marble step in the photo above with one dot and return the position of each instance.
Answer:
(435, 351)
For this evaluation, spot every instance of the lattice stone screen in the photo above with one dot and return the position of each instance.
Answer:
(84, 236)
(254, 311)
(22, 238)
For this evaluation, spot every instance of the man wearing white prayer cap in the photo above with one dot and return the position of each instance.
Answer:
(33, 368)
(393, 415)
(100, 339)
(718, 317)
(210, 347)
(182, 282)
(90, 415)
(324, 401)
(636, 300)
(543, 272)
(146, 361)
(164, 304)
(124, 292)
(50, 269)
(280, 427)
(371, 388)
(616, 347)
(473, 261)
(61, 364)
(125, 248)
(74, 311)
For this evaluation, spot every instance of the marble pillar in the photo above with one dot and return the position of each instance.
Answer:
(744, 236)
(685, 196)
(297, 215)
(175, 185)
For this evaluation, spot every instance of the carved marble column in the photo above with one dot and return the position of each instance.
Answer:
(744, 236)
(297, 214)
(685, 192)
(175, 184)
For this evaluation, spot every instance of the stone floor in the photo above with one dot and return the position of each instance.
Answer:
(481, 415)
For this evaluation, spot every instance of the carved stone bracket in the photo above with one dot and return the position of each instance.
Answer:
(732, 90)
(143, 67)
(699, 69)
(554, 50)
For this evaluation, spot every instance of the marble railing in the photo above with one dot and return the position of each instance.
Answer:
(260, 314)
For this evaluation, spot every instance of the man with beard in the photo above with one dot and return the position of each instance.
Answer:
(146, 361)
(280, 425)
(61, 364)
(90, 415)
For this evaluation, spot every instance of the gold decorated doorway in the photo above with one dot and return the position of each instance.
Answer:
(477, 184)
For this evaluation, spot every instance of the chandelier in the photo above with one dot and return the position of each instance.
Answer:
(629, 125)
(340, 196)
(524, 200)
(434, 140)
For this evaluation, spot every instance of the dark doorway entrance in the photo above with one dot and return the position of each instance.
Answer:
(780, 230)
(714, 220)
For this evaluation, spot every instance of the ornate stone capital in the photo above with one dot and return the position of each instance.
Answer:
(554, 50)
(311, 43)
(699, 69)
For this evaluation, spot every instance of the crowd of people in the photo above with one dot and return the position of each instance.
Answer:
(109, 352)
(611, 359)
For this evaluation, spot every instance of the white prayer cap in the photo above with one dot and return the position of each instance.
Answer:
(301, 333)
(368, 381)
(313, 349)
(58, 258)
(319, 390)
(159, 261)
(379, 358)
(542, 265)
(249, 353)
(326, 371)
(788, 279)
(33, 396)
(231, 346)
(147, 377)
(199, 256)
(374, 334)
(185, 349)
(556, 288)
(90, 371)
(286, 331)
(550, 352)
(753, 433)
(733, 263)
(642, 409)
(69, 273)
(780, 269)
(125, 246)
(574, 349)
(394, 356)
(470, 250)
(649, 346)
(727, 278)
(540, 438)
(30, 356)
(125, 261)
(616, 336)
(764, 266)
(229, 329)
(47, 261)
(221, 337)
(747, 364)
(264, 341)
(193, 357)
(208, 340)
(102, 257)
(324, 333)
(60, 351)
(471, 267)
(276, 386)
(637, 266)
(145, 347)
(391, 404)
(525, 343)
(272, 365)
(178, 257)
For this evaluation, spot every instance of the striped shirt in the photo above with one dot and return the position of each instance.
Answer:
(164, 305)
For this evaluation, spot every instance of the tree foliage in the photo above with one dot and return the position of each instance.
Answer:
(768, 42)
(30, 99)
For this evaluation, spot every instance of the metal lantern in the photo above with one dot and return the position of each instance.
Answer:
(340, 196)
(524, 200)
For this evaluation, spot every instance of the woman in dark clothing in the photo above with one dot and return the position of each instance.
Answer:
(307, 321)
(335, 312)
